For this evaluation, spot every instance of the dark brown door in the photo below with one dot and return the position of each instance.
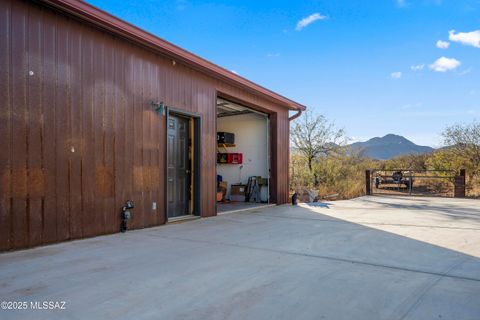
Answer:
(177, 166)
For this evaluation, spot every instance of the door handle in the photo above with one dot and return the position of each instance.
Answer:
(187, 171)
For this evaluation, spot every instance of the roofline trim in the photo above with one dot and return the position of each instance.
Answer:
(113, 24)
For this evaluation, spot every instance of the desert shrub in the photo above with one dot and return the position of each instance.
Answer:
(338, 173)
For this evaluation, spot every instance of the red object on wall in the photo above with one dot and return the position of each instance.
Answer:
(231, 158)
(235, 158)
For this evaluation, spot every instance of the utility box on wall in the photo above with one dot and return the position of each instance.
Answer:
(225, 137)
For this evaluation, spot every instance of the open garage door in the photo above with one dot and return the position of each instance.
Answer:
(243, 157)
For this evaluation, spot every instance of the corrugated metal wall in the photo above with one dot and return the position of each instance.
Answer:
(78, 136)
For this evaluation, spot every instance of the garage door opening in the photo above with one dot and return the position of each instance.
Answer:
(243, 157)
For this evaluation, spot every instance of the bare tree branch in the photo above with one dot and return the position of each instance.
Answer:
(313, 136)
(464, 141)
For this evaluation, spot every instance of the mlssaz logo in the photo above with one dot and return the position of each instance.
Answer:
(48, 305)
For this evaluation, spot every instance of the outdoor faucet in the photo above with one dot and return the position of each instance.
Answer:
(126, 215)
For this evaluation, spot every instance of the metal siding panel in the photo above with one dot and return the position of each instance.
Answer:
(98, 121)
(35, 171)
(19, 126)
(88, 130)
(5, 125)
(138, 219)
(155, 137)
(111, 212)
(130, 144)
(153, 145)
(280, 158)
(76, 141)
(61, 134)
(120, 134)
(161, 135)
(49, 230)
(209, 144)
(286, 160)
(274, 157)
(284, 145)
(146, 147)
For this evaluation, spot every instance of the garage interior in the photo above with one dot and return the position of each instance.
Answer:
(243, 160)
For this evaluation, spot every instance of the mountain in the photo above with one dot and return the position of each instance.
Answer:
(388, 147)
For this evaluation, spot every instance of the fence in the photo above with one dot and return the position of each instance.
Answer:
(441, 183)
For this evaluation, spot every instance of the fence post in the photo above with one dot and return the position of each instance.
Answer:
(410, 183)
(459, 185)
(368, 189)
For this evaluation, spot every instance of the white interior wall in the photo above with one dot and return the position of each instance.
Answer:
(250, 139)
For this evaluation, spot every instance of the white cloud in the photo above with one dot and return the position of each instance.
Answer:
(309, 20)
(233, 71)
(442, 44)
(406, 3)
(445, 64)
(417, 67)
(466, 38)
(396, 75)
(354, 139)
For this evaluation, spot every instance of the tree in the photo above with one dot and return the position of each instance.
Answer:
(464, 141)
(312, 136)
(408, 161)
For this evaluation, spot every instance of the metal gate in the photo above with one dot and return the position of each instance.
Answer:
(440, 183)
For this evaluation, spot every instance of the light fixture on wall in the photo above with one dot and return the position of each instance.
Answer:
(159, 107)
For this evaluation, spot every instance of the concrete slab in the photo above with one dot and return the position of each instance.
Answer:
(367, 258)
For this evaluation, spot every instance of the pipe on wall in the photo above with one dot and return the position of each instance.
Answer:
(296, 115)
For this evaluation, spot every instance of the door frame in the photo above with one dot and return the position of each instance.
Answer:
(197, 158)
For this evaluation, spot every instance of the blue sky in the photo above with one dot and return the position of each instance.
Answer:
(374, 67)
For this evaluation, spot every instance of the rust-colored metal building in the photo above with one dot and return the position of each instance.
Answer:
(95, 111)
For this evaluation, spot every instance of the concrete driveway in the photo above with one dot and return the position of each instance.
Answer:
(367, 258)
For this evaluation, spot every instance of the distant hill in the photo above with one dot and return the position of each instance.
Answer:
(388, 147)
